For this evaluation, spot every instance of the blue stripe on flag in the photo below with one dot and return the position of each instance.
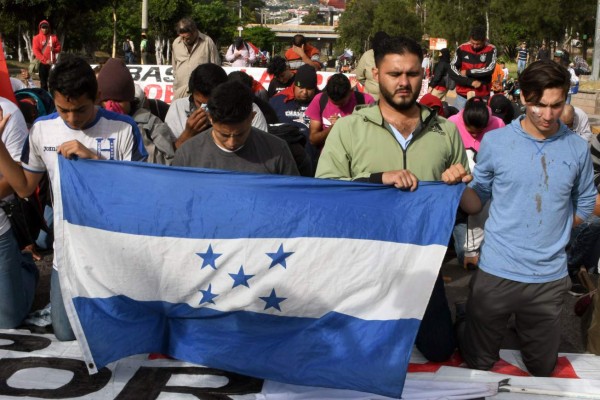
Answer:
(193, 203)
(318, 352)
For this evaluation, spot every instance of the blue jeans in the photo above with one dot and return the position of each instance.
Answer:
(18, 279)
(583, 238)
(60, 320)
(459, 102)
(44, 241)
(521, 64)
(459, 234)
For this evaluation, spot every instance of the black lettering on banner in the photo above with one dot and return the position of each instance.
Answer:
(150, 382)
(24, 343)
(169, 75)
(153, 72)
(135, 72)
(81, 384)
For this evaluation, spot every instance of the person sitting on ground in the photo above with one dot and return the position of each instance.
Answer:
(282, 76)
(187, 117)
(117, 93)
(291, 104)
(336, 101)
(576, 120)
(434, 103)
(473, 122)
(265, 107)
(503, 108)
(438, 85)
(231, 143)
(240, 54)
(18, 273)
(301, 53)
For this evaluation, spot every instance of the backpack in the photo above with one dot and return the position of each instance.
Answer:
(126, 46)
(296, 141)
(26, 215)
(360, 99)
(41, 98)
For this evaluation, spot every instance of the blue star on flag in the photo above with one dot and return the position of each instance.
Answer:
(240, 278)
(207, 295)
(279, 257)
(272, 300)
(209, 257)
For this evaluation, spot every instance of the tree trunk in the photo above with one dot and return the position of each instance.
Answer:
(114, 44)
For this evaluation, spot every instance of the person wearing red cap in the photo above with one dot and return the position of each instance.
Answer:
(46, 48)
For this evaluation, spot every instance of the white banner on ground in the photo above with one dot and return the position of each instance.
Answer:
(38, 366)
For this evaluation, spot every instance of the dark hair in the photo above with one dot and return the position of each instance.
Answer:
(277, 66)
(265, 107)
(542, 75)
(241, 76)
(206, 77)
(476, 113)
(73, 77)
(185, 25)
(298, 40)
(338, 87)
(397, 45)
(230, 103)
(379, 37)
(478, 33)
(445, 55)
(238, 42)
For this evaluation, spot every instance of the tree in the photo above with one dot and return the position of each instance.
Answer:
(216, 20)
(313, 17)
(363, 18)
(260, 36)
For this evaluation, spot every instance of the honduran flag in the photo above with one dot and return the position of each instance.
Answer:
(298, 280)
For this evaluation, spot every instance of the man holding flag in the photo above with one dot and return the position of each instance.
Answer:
(79, 129)
(399, 142)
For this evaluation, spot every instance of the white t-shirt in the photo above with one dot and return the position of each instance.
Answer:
(112, 136)
(14, 136)
(180, 108)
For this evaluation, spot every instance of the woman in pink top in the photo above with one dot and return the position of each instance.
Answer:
(474, 121)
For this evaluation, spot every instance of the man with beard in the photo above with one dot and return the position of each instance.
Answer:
(378, 144)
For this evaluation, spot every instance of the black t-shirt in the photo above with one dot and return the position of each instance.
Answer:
(275, 86)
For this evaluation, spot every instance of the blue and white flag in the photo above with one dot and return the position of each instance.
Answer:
(303, 281)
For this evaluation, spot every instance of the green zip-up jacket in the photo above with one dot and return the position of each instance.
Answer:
(361, 146)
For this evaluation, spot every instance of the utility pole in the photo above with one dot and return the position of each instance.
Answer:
(144, 15)
(596, 61)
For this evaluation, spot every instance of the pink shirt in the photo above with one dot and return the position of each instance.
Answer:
(469, 141)
(314, 109)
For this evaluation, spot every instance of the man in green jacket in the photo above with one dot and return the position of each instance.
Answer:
(399, 142)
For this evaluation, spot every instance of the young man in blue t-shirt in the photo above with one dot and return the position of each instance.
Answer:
(539, 177)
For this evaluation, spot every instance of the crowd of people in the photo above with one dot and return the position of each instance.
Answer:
(526, 201)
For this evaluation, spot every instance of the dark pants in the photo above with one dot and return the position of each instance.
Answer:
(43, 72)
(435, 339)
(536, 306)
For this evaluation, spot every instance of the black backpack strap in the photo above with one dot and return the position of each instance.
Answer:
(323, 102)
(360, 97)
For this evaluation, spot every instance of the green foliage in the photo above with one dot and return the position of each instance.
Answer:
(313, 17)
(216, 20)
(260, 36)
(365, 17)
